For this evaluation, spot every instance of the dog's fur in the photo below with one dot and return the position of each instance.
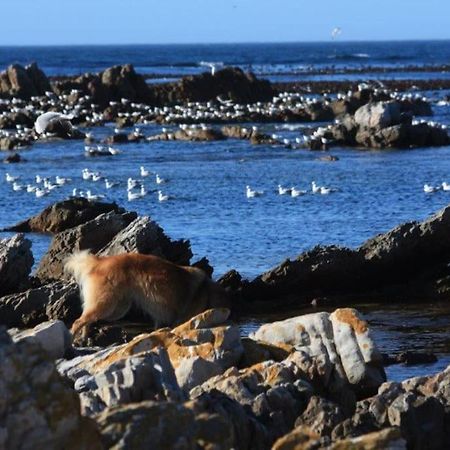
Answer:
(169, 293)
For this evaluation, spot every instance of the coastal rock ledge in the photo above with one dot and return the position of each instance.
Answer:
(309, 382)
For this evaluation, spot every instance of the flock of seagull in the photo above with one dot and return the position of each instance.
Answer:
(135, 190)
(292, 191)
(430, 189)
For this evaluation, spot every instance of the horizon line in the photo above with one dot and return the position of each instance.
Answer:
(225, 43)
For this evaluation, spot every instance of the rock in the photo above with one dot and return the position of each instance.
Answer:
(13, 159)
(14, 142)
(418, 407)
(316, 271)
(378, 115)
(38, 409)
(54, 301)
(199, 349)
(91, 235)
(66, 214)
(145, 236)
(23, 82)
(231, 83)
(333, 349)
(53, 337)
(389, 439)
(273, 392)
(143, 376)
(16, 261)
(123, 82)
(301, 438)
(321, 416)
(211, 422)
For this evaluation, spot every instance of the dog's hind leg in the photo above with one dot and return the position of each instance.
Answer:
(99, 304)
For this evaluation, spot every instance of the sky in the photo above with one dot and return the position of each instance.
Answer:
(62, 22)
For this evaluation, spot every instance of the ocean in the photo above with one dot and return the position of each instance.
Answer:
(376, 190)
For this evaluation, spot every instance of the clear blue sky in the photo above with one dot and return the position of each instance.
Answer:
(190, 21)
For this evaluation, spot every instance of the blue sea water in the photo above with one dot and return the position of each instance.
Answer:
(376, 190)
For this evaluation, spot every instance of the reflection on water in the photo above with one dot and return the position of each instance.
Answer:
(395, 328)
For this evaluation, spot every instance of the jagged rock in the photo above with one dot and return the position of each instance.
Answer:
(24, 82)
(145, 236)
(54, 301)
(273, 392)
(53, 337)
(66, 214)
(91, 235)
(146, 375)
(321, 416)
(231, 83)
(418, 407)
(191, 134)
(38, 409)
(16, 261)
(335, 349)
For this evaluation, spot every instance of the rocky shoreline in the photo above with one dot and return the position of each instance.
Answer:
(310, 381)
(192, 107)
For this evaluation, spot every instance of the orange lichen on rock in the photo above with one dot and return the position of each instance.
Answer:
(349, 316)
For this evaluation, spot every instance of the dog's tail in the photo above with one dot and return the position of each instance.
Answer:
(80, 263)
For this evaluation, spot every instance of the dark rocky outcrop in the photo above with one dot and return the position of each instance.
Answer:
(16, 261)
(410, 259)
(63, 215)
(230, 83)
(23, 82)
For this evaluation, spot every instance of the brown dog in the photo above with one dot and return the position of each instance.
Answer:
(169, 293)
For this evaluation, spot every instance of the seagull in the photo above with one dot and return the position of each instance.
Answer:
(133, 195)
(445, 186)
(110, 184)
(49, 118)
(114, 151)
(60, 180)
(250, 193)
(325, 190)
(162, 197)
(16, 186)
(297, 192)
(428, 189)
(159, 180)
(31, 188)
(144, 172)
(41, 192)
(91, 196)
(283, 191)
(10, 179)
(132, 183)
(314, 188)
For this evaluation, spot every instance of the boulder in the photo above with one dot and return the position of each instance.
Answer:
(38, 409)
(14, 142)
(91, 235)
(23, 82)
(53, 337)
(143, 235)
(231, 83)
(300, 438)
(53, 301)
(378, 114)
(335, 349)
(65, 214)
(16, 261)
(199, 349)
